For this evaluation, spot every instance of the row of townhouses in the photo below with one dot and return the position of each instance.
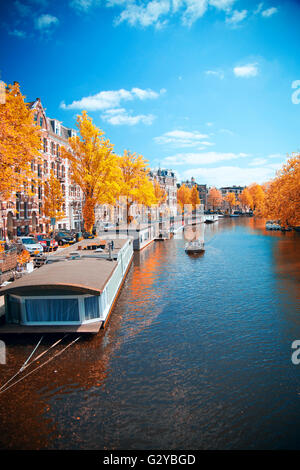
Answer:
(203, 191)
(23, 214)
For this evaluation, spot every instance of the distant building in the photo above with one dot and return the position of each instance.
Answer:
(168, 182)
(202, 190)
(237, 190)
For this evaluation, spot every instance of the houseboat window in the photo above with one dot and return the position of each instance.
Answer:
(52, 310)
(13, 309)
(91, 307)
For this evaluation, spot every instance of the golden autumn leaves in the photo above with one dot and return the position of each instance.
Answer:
(104, 176)
(20, 142)
(188, 196)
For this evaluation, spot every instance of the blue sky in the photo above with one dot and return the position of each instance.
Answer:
(210, 88)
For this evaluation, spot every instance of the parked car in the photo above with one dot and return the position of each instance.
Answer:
(31, 245)
(107, 226)
(48, 243)
(64, 238)
(87, 235)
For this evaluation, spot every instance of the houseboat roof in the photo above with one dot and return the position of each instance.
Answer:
(87, 273)
(85, 276)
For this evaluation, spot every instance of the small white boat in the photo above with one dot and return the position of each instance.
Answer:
(194, 247)
(271, 225)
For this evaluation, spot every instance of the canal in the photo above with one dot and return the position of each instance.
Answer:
(197, 355)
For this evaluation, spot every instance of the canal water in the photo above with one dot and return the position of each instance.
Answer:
(197, 355)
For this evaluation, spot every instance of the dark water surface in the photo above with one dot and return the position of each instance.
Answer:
(197, 355)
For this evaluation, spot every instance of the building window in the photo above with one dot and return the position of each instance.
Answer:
(40, 192)
(39, 170)
(41, 121)
(25, 210)
(52, 148)
(45, 145)
(57, 151)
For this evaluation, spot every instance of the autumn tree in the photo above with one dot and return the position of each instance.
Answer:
(183, 196)
(136, 186)
(231, 200)
(214, 198)
(258, 197)
(195, 200)
(159, 192)
(246, 199)
(94, 167)
(53, 198)
(20, 141)
(282, 200)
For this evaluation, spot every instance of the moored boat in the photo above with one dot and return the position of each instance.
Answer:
(73, 292)
(194, 247)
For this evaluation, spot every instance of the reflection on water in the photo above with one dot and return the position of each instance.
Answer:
(196, 354)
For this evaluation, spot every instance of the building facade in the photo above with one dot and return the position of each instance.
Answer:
(23, 213)
(168, 182)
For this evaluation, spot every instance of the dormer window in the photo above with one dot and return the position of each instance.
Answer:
(41, 121)
(57, 127)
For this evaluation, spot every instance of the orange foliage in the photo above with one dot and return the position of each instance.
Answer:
(20, 141)
(136, 185)
(246, 199)
(23, 257)
(183, 196)
(231, 200)
(214, 198)
(195, 200)
(53, 198)
(160, 193)
(94, 167)
(282, 201)
(258, 198)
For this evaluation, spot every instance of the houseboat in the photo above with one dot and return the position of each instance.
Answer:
(194, 247)
(73, 292)
(142, 233)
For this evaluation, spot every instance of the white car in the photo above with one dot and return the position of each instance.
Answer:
(31, 245)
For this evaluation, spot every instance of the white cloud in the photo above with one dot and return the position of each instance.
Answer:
(83, 5)
(245, 71)
(111, 99)
(229, 175)
(45, 22)
(119, 117)
(195, 9)
(145, 14)
(157, 12)
(269, 12)
(222, 4)
(216, 73)
(236, 17)
(258, 161)
(179, 138)
(203, 158)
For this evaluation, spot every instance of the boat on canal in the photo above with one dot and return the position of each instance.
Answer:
(74, 291)
(195, 246)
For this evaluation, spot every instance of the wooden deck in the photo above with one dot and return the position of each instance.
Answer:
(9, 328)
